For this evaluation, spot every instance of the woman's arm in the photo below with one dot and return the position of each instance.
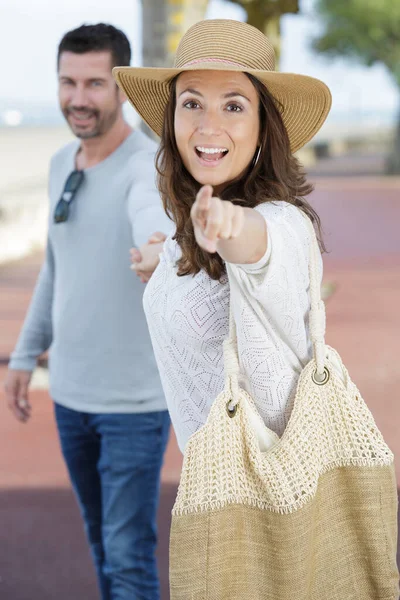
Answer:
(238, 234)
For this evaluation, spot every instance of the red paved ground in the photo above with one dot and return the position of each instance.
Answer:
(43, 554)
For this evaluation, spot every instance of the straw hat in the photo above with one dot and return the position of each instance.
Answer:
(225, 45)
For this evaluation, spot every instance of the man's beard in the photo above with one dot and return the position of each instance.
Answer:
(101, 123)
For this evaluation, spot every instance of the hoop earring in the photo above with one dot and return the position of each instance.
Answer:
(256, 157)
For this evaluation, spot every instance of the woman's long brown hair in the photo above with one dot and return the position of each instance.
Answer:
(276, 176)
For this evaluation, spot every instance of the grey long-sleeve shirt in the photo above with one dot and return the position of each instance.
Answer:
(87, 304)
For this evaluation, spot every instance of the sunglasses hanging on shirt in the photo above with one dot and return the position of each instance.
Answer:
(72, 185)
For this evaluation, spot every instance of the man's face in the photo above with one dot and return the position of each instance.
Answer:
(89, 98)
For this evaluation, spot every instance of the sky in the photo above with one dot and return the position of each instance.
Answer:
(30, 32)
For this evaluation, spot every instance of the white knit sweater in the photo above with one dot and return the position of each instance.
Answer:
(188, 321)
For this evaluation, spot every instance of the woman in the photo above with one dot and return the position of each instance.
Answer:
(229, 125)
(310, 513)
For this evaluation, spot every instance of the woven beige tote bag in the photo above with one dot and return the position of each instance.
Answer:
(309, 516)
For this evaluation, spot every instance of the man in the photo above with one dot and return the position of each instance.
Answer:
(87, 308)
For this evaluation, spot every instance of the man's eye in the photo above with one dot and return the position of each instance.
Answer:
(96, 83)
(191, 104)
(234, 108)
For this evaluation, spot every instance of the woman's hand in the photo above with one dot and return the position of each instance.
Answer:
(214, 219)
(145, 260)
(237, 233)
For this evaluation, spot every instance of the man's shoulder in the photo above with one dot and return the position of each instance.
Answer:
(143, 141)
(141, 147)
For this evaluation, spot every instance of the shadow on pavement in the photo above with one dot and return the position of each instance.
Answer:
(43, 551)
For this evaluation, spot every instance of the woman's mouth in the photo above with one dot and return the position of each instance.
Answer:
(211, 156)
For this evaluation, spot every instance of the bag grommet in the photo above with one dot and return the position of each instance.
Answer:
(325, 377)
(231, 411)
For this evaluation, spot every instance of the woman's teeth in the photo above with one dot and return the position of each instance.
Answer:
(211, 150)
(211, 155)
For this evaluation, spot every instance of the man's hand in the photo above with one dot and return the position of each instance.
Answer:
(16, 389)
(214, 219)
(145, 260)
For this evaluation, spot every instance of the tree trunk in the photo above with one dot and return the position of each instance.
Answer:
(269, 25)
(393, 160)
(163, 24)
(154, 17)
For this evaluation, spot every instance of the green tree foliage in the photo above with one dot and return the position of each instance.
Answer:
(367, 31)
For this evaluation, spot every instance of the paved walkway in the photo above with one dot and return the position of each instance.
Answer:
(43, 554)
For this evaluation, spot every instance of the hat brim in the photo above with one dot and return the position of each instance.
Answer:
(304, 102)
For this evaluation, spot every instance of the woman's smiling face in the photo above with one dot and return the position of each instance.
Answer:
(216, 125)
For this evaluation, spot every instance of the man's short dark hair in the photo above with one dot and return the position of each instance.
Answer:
(97, 38)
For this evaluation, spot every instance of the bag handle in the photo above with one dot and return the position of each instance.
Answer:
(317, 316)
(317, 324)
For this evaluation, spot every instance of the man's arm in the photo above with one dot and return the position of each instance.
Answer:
(150, 224)
(145, 210)
(35, 338)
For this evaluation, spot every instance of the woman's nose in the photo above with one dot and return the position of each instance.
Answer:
(210, 123)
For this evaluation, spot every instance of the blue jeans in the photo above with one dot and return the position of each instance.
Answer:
(114, 462)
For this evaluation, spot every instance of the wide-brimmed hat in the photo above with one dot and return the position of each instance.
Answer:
(226, 45)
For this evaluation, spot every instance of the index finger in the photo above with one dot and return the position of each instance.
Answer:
(202, 202)
(203, 197)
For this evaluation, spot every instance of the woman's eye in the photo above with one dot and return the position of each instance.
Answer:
(234, 108)
(191, 104)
